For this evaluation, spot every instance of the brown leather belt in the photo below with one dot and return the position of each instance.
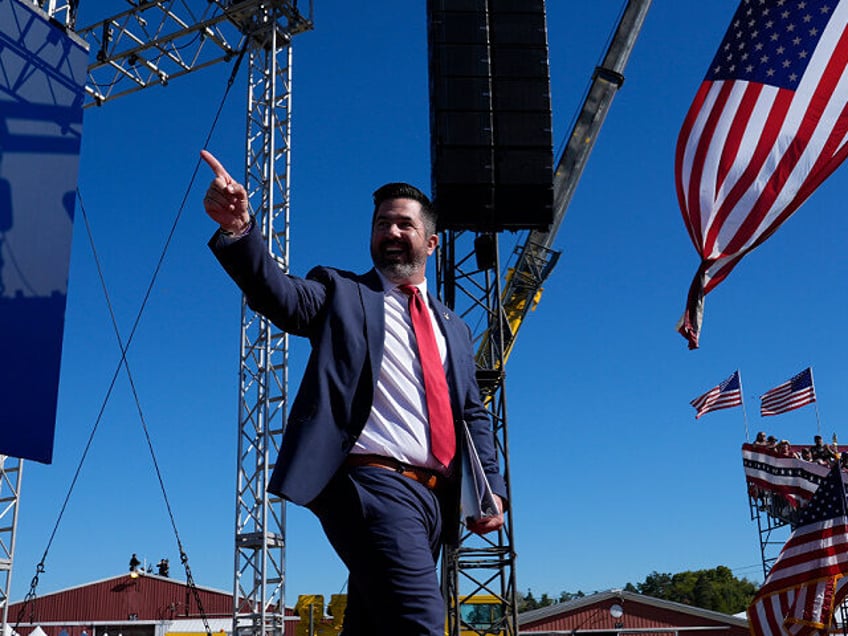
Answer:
(423, 476)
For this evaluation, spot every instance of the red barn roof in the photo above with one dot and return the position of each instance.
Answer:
(124, 604)
(122, 598)
(618, 611)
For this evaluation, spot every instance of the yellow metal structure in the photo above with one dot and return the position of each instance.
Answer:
(516, 302)
(336, 609)
(310, 610)
(481, 615)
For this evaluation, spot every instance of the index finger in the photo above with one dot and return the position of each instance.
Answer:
(217, 166)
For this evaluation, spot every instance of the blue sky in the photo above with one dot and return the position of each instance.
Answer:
(612, 477)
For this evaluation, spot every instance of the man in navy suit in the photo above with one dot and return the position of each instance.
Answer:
(357, 449)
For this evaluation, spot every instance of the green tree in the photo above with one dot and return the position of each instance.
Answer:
(657, 585)
(527, 601)
(715, 589)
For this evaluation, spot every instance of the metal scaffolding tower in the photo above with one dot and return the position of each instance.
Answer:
(11, 470)
(773, 516)
(151, 43)
(260, 518)
(469, 280)
(480, 564)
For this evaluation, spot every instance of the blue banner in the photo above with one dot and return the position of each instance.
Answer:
(42, 79)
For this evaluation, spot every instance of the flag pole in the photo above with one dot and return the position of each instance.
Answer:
(815, 403)
(744, 412)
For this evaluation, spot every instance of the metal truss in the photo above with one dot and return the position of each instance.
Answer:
(260, 518)
(151, 43)
(471, 285)
(773, 515)
(11, 469)
(469, 279)
(63, 11)
(156, 41)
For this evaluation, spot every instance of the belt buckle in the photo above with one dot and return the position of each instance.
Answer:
(421, 475)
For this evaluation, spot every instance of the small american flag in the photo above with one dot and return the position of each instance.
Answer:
(767, 126)
(806, 582)
(790, 395)
(724, 396)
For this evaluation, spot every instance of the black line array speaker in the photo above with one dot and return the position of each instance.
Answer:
(490, 114)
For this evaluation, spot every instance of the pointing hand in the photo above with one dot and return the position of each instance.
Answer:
(226, 199)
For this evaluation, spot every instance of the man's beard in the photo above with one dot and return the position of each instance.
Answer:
(400, 267)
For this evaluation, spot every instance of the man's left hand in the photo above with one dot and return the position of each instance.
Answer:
(488, 524)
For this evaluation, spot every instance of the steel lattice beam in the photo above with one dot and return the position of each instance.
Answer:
(480, 565)
(156, 41)
(11, 470)
(474, 289)
(260, 518)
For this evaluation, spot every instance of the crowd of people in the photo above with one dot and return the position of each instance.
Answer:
(819, 452)
(773, 500)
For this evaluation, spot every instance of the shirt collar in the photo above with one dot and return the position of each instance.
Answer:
(389, 286)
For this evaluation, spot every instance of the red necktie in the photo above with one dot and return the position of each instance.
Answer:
(442, 436)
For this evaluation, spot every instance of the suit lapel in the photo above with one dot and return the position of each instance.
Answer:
(449, 325)
(373, 306)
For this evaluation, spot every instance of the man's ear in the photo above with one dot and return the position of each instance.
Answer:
(432, 243)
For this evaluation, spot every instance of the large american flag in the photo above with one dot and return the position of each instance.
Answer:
(805, 584)
(724, 396)
(794, 479)
(767, 126)
(792, 394)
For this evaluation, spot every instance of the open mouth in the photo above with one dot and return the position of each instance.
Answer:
(393, 250)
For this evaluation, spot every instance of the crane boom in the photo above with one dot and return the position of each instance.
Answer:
(536, 259)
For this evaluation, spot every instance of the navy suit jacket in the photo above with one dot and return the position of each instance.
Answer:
(343, 315)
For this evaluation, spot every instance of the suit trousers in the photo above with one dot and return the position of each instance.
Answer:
(386, 529)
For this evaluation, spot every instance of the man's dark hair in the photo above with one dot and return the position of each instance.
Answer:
(391, 191)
